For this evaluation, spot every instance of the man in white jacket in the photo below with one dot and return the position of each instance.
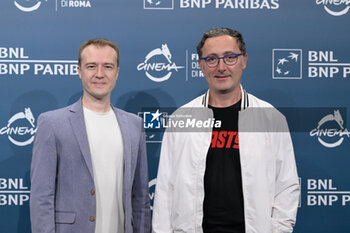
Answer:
(240, 175)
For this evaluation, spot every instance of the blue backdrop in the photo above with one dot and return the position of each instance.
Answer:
(298, 59)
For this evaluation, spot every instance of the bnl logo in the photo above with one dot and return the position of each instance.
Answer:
(152, 120)
(286, 63)
(158, 4)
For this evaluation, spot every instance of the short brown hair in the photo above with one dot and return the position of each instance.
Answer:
(99, 42)
(215, 32)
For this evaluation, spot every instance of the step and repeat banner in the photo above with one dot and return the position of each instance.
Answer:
(298, 61)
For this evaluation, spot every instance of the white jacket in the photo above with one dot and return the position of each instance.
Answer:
(269, 175)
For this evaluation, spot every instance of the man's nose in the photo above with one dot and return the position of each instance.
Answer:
(99, 72)
(221, 65)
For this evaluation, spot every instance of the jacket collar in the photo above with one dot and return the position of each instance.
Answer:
(244, 102)
(78, 125)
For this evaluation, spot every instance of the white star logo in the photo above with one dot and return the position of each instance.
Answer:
(294, 56)
(156, 115)
(278, 70)
(282, 61)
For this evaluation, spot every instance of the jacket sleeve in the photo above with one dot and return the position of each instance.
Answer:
(140, 193)
(43, 178)
(161, 221)
(287, 189)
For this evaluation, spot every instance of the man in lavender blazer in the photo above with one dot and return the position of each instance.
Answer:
(63, 191)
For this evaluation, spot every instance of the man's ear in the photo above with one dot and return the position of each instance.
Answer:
(200, 63)
(118, 68)
(244, 60)
(79, 71)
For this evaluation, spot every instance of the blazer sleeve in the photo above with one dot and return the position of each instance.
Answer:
(140, 192)
(287, 190)
(43, 178)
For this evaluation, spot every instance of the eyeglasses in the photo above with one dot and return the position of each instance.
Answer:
(229, 59)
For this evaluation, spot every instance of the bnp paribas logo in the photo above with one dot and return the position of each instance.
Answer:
(286, 63)
(158, 4)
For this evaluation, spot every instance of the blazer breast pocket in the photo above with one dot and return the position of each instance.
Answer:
(65, 217)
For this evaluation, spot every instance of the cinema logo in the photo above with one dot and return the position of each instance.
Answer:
(28, 6)
(335, 7)
(20, 128)
(330, 130)
(158, 65)
(13, 192)
(323, 192)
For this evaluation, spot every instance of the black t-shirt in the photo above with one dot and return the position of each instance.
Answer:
(223, 197)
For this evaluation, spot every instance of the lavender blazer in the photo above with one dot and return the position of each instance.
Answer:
(62, 196)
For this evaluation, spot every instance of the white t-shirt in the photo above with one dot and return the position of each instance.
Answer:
(106, 147)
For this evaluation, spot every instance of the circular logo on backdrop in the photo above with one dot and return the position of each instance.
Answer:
(20, 128)
(330, 130)
(335, 8)
(158, 65)
(27, 6)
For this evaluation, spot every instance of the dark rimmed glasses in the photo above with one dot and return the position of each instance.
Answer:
(229, 59)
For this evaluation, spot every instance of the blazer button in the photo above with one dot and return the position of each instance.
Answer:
(92, 192)
(92, 219)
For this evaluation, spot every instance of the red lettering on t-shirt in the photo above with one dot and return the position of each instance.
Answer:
(214, 138)
(223, 138)
(231, 134)
(236, 145)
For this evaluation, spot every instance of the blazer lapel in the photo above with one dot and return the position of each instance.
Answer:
(78, 125)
